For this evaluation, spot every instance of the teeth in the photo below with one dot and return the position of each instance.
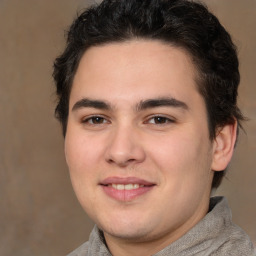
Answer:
(125, 187)
(120, 186)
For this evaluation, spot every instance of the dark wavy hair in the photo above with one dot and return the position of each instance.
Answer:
(181, 23)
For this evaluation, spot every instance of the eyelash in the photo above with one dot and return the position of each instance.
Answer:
(90, 120)
(157, 120)
(166, 120)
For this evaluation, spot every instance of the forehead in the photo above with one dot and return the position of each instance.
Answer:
(136, 69)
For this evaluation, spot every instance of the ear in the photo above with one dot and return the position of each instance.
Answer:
(223, 147)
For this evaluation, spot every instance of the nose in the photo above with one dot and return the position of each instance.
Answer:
(125, 147)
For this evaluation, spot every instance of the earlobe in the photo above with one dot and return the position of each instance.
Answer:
(224, 146)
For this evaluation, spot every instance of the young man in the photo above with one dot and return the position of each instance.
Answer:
(147, 100)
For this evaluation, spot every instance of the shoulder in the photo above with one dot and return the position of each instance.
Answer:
(95, 246)
(235, 240)
(230, 238)
(81, 250)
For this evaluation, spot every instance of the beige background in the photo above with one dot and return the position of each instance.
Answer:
(39, 214)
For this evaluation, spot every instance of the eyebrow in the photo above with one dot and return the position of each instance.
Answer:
(161, 102)
(142, 105)
(87, 103)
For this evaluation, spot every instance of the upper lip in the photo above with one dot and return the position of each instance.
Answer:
(125, 181)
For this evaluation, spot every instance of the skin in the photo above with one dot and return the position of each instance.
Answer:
(166, 145)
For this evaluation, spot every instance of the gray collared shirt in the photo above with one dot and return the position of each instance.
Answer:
(214, 235)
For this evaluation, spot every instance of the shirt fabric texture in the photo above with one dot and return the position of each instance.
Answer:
(214, 235)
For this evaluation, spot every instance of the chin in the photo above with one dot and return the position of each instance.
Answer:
(130, 230)
(131, 234)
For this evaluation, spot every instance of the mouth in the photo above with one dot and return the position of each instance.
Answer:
(126, 189)
(125, 186)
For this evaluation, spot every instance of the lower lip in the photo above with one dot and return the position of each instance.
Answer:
(126, 195)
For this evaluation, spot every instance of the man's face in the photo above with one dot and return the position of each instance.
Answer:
(137, 142)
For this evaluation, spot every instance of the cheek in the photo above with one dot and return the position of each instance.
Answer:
(181, 155)
(172, 150)
(81, 161)
(184, 164)
(81, 151)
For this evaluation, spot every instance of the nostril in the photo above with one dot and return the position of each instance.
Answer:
(121, 162)
(110, 161)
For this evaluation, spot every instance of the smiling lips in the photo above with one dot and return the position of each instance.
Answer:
(125, 189)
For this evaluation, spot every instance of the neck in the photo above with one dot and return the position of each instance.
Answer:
(121, 247)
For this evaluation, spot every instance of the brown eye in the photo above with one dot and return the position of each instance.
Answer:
(160, 120)
(95, 120)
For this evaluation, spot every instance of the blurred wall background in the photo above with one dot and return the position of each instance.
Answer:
(39, 214)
